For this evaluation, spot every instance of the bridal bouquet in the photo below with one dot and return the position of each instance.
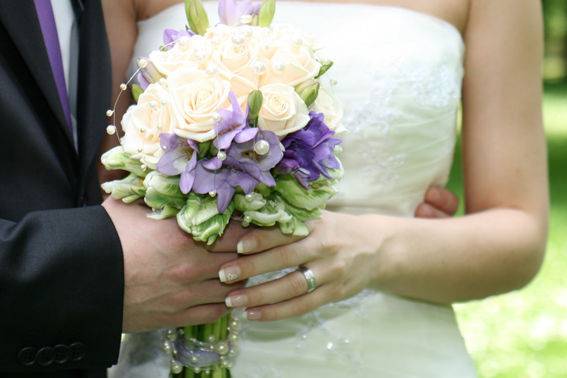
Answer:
(230, 123)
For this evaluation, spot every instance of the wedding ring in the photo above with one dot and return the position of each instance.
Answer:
(309, 278)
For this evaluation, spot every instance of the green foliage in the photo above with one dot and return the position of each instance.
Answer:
(325, 66)
(128, 189)
(117, 159)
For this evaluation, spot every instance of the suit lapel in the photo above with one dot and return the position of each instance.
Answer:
(94, 86)
(20, 20)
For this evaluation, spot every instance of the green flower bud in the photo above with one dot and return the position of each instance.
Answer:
(255, 100)
(136, 92)
(309, 92)
(196, 16)
(200, 218)
(315, 197)
(163, 195)
(117, 158)
(129, 189)
(267, 12)
(249, 202)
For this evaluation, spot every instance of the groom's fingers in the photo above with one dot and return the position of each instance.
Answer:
(259, 240)
(229, 239)
(206, 292)
(198, 315)
(442, 200)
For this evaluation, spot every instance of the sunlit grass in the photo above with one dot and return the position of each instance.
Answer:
(524, 334)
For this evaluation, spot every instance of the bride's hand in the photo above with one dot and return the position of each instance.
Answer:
(338, 251)
(335, 251)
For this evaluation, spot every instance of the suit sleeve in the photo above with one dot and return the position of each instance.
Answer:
(61, 291)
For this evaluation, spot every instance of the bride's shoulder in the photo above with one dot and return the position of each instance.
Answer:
(148, 8)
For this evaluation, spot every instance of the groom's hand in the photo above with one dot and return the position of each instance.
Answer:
(169, 279)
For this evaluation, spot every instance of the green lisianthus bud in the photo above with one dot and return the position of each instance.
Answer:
(128, 189)
(273, 212)
(117, 158)
(255, 100)
(310, 199)
(267, 12)
(163, 195)
(308, 92)
(196, 16)
(249, 202)
(200, 218)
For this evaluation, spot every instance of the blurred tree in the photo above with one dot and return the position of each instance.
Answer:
(555, 24)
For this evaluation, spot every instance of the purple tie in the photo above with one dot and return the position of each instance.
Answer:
(51, 41)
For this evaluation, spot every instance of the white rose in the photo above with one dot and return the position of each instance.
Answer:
(236, 59)
(331, 108)
(283, 111)
(192, 51)
(197, 96)
(291, 65)
(144, 122)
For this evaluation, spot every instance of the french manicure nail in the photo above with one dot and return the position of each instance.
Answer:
(245, 246)
(253, 315)
(232, 273)
(236, 301)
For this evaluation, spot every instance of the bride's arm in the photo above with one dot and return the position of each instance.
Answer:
(498, 246)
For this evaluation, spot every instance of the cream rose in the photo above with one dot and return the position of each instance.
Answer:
(197, 96)
(192, 51)
(291, 65)
(144, 122)
(236, 58)
(283, 111)
(331, 108)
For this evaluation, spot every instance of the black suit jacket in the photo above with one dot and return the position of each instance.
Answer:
(61, 266)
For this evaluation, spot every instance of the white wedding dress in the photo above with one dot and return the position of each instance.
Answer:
(399, 76)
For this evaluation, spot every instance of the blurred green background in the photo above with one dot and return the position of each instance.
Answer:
(524, 333)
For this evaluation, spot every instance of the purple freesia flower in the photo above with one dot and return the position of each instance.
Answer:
(232, 126)
(243, 168)
(309, 151)
(180, 157)
(172, 35)
(230, 11)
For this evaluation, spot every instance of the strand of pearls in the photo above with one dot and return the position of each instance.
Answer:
(201, 356)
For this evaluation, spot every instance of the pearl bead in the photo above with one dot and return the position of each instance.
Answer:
(111, 129)
(109, 112)
(279, 66)
(248, 197)
(167, 347)
(262, 147)
(142, 63)
(176, 367)
(222, 348)
(212, 194)
(140, 149)
(197, 370)
(259, 67)
(330, 345)
(144, 167)
(123, 86)
(216, 117)
(221, 155)
(208, 371)
(233, 337)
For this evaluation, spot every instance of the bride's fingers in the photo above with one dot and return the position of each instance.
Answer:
(263, 239)
(271, 261)
(293, 307)
(290, 286)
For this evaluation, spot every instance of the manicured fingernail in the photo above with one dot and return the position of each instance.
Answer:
(232, 273)
(236, 301)
(245, 246)
(253, 315)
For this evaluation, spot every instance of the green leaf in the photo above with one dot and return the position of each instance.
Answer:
(117, 158)
(204, 149)
(267, 12)
(200, 218)
(128, 189)
(196, 16)
(325, 66)
(136, 92)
